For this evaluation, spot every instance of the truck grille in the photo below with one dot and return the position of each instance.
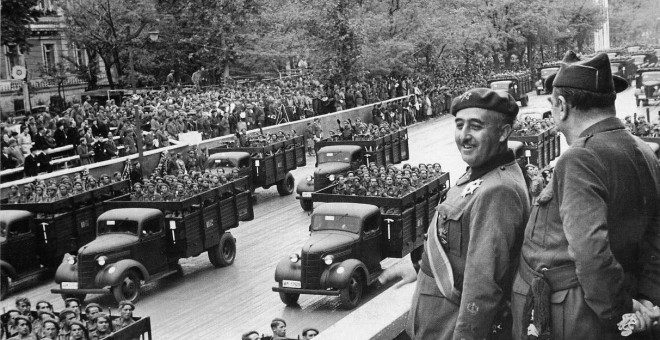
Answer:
(86, 271)
(312, 267)
(320, 182)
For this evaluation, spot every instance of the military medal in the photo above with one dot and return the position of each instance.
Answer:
(471, 187)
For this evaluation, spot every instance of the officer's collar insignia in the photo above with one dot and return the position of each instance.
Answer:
(471, 187)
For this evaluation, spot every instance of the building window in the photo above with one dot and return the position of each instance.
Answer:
(49, 55)
(78, 55)
(13, 56)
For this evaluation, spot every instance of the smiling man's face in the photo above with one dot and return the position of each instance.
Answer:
(478, 135)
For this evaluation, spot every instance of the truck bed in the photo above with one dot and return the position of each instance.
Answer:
(404, 219)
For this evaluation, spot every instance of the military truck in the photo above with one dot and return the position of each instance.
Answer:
(644, 57)
(647, 84)
(544, 72)
(35, 236)
(264, 165)
(143, 241)
(623, 67)
(517, 84)
(341, 156)
(351, 235)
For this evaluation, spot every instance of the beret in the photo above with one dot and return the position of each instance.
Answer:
(594, 75)
(488, 99)
(66, 311)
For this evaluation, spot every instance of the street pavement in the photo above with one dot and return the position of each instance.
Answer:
(210, 303)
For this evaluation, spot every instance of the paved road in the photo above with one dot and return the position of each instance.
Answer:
(223, 303)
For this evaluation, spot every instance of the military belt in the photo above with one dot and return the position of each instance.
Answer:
(559, 278)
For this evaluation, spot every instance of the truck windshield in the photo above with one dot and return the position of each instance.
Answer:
(651, 77)
(547, 72)
(119, 226)
(336, 222)
(639, 59)
(222, 163)
(500, 85)
(324, 157)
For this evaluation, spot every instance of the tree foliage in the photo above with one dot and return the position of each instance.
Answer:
(16, 17)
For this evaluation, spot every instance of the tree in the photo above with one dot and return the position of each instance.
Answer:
(634, 22)
(17, 15)
(110, 29)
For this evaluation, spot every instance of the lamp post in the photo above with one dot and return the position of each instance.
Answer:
(153, 36)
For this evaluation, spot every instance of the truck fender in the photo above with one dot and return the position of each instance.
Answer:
(287, 270)
(8, 269)
(112, 273)
(338, 275)
(305, 186)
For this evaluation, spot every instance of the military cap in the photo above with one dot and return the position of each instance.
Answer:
(91, 305)
(42, 312)
(594, 75)
(126, 303)
(100, 315)
(66, 311)
(22, 317)
(76, 322)
(52, 187)
(305, 330)
(487, 99)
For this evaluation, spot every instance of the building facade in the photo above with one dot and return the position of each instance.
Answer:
(51, 58)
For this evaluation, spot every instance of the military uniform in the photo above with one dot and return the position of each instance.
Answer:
(588, 228)
(480, 226)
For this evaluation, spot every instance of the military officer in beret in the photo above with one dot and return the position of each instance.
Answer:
(466, 269)
(591, 251)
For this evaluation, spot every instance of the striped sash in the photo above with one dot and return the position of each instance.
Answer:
(440, 266)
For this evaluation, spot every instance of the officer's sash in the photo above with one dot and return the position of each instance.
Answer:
(440, 266)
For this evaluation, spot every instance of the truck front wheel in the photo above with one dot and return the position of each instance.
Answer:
(306, 204)
(351, 295)
(224, 253)
(289, 299)
(285, 186)
(128, 287)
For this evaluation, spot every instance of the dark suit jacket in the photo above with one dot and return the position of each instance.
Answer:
(31, 166)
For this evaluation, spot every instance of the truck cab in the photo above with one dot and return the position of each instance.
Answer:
(18, 247)
(144, 240)
(341, 256)
(544, 73)
(331, 161)
(643, 57)
(624, 68)
(647, 84)
(512, 86)
(131, 246)
(265, 165)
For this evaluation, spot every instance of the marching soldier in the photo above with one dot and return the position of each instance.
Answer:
(591, 254)
(465, 269)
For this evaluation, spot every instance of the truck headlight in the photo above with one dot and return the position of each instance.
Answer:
(71, 259)
(309, 178)
(101, 260)
(331, 178)
(328, 259)
(294, 258)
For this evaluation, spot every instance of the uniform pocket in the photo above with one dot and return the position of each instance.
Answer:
(449, 219)
(539, 219)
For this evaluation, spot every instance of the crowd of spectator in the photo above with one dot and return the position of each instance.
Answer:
(71, 323)
(98, 130)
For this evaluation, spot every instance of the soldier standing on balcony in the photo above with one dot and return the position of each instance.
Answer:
(591, 251)
(465, 271)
